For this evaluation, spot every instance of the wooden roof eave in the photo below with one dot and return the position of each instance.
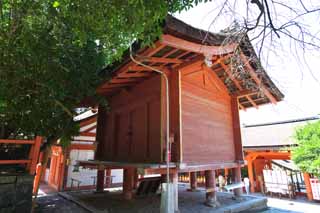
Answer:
(207, 50)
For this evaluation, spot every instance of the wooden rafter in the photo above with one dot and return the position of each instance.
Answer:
(170, 52)
(194, 47)
(160, 60)
(123, 80)
(108, 86)
(183, 54)
(151, 51)
(241, 107)
(133, 75)
(227, 70)
(138, 68)
(245, 93)
(252, 102)
(255, 77)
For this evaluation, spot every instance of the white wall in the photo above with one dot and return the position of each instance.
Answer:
(85, 175)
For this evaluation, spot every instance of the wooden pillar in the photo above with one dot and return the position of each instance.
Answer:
(193, 181)
(35, 155)
(211, 198)
(100, 179)
(108, 178)
(136, 179)
(237, 179)
(306, 178)
(236, 129)
(250, 174)
(128, 179)
(226, 173)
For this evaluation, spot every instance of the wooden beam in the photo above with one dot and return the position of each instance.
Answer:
(138, 68)
(83, 146)
(194, 47)
(15, 161)
(252, 102)
(127, 80)
(133, 75)
(241, 107)
(257, 79)
(108, 86)
(159, 60)
(10, 141)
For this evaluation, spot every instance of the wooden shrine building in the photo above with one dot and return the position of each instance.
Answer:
(269, 144)
(210, 78)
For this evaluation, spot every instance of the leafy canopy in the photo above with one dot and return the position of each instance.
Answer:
(52, 51)
(307, 154)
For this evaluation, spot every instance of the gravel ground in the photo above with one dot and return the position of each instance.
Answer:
(189, 202)
(56, 204)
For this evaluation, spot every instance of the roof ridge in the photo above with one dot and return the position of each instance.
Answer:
(283, 122)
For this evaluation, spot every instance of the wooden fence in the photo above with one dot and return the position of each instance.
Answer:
(31, 162)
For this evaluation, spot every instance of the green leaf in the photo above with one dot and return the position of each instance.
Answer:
(56, 4)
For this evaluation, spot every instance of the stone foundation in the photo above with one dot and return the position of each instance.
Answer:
(16, 193)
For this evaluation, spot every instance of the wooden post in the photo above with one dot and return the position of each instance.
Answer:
(108, 178)
(35, 156)
(226, 173)
(128, 179)
(100, 179)
(193, 181)
(136, 179)
(237, 179)
(36, 181)
(250, 174)
(236, 128)
(306, 178)
(211, 198)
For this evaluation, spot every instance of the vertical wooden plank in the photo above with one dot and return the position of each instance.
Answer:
(175, 114)
(155, 138)
(236, 129)
(306, 178)
(108, 178)
(35, 155)
(101, 121)
(139, 134)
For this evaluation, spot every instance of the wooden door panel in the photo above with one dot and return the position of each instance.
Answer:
(139, 134)
(121, 138)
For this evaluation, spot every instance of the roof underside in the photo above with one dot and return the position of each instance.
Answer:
(235, 65)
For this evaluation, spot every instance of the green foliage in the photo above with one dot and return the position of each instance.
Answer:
(307, 154)
(52, 51)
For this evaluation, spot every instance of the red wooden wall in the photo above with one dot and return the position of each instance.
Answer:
(207, 128)
(131, 130)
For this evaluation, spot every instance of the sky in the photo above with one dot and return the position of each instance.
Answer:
(295, 73)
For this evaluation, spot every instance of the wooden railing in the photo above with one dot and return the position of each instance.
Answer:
(31, 162)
